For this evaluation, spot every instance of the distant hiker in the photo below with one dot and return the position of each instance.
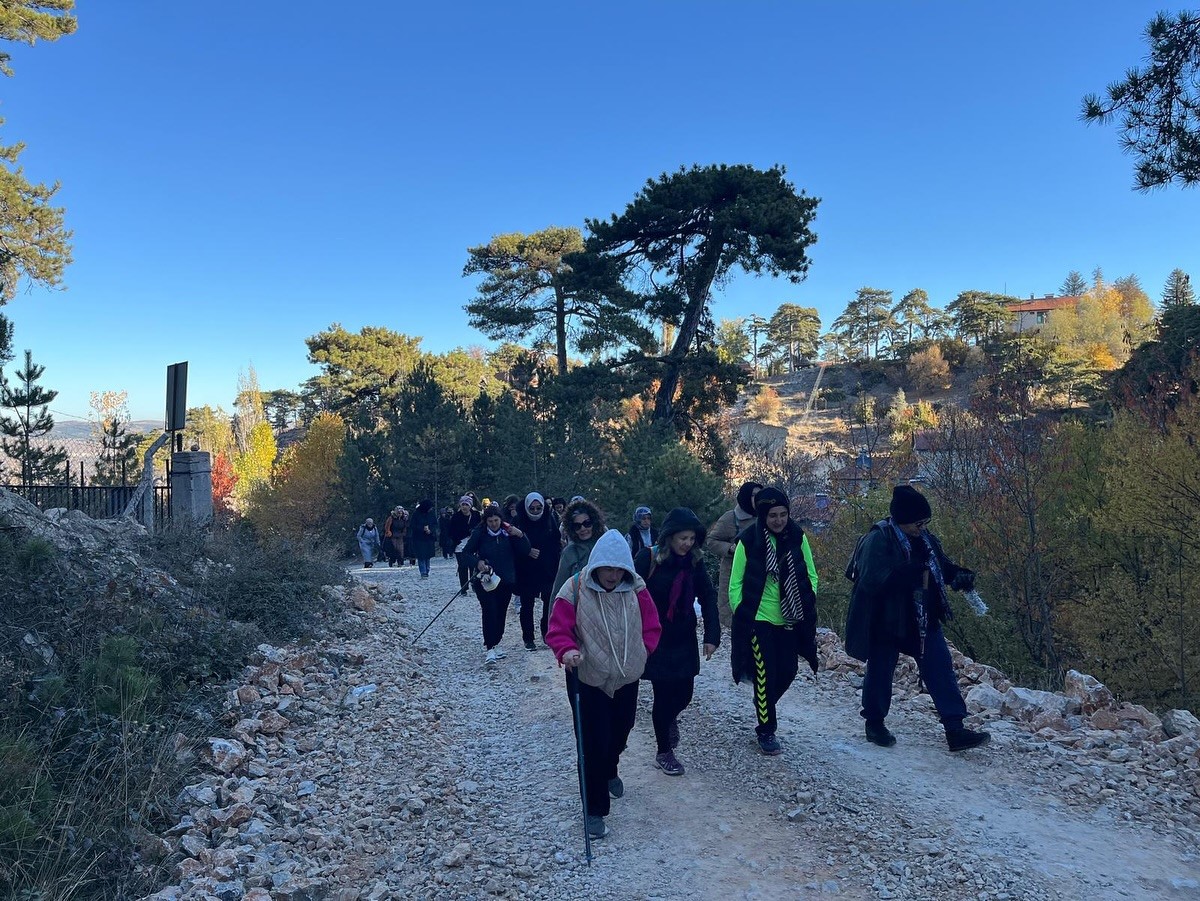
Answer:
(511, 508)
(536, 571)
(773, 595)
(675, 577)
(368, 542)
(898, 605)
(584, 526)
(464, 521)
(445, 539)
(422, 535)
(723, 538)
(492, 550)
(559, 504)
(394, 529)
(641, 534)
(603, 627)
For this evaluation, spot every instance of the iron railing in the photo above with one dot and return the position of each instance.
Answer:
(97, 501)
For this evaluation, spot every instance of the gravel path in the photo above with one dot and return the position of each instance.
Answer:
(419, 772)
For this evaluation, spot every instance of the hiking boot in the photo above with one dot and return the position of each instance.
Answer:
(616, 788)
(878, 734)
(530, 646)
(667, 762)
(770, 745)
(491, 656)
(965, 739)
(673, 734)
(596, 827)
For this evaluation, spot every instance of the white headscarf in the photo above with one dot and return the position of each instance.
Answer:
(529, 499)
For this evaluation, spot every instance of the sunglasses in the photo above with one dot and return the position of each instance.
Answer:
(582, 524)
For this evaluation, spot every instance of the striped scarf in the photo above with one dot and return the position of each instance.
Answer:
(791, 601)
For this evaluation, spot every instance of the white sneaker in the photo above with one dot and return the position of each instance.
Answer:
(500, 655)
(492, 656)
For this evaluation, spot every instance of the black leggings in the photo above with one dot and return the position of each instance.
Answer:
(671, 697)
(493, 607)
(464, 571)
(607, 723)
(546, 593)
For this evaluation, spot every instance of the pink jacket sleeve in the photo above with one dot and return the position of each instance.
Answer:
(651, 626)
(560, 635)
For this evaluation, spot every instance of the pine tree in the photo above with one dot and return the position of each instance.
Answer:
(1177, 292)
(30, 420)
(1073, 285)
(118, 460)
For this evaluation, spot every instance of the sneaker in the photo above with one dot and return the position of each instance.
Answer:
(668, 764)
(491, 656)
(769, 745)
(965, 739)
(530, 646)
(616, 788)
(500, 655)
(673, 734)
(596, 827)
(878, 734)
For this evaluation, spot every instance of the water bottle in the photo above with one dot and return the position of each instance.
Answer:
(975, 602)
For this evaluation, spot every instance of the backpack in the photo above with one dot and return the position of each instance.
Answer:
(852, 565)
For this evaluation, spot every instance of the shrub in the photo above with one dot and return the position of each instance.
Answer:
(766, 405)
(928, 370)
(116, 682)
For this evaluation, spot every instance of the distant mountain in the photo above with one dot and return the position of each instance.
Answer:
(75, 428)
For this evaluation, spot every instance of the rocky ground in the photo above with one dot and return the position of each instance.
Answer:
(372, 767)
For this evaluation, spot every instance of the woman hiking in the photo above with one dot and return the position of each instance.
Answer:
(422, 535)
(773, 595)
(603, 628)
(675, 577)
(368, 542)
(492, 550)
(584, 524)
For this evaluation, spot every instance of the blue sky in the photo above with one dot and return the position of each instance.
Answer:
(239, 176)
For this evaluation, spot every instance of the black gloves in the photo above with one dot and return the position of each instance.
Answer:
(964, 581)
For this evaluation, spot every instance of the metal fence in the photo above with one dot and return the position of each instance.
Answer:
(97, 501)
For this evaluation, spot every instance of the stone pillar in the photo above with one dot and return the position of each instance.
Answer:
(191, 488)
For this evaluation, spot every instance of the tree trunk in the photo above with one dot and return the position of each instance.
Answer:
(697, 300)
(560, 329)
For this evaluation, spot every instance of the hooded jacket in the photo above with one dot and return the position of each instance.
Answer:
(499, 551)
(421, 543)
(677, 655)
(720, 543)
(616, 630)
(535, 575)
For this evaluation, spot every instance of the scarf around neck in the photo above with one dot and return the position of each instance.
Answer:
(682, 588)
(784, 567)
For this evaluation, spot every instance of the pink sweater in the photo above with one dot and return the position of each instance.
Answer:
(560, 636)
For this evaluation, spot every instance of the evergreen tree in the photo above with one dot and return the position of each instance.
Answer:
(1178, 292)
(865, 322)
(1073, 285)
(980, 314)
(796, 328)
(30, 420)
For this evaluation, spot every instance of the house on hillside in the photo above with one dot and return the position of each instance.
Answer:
(1030, 315)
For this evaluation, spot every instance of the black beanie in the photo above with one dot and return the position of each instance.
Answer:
(745, 496)
(768, 498)
(908, 505)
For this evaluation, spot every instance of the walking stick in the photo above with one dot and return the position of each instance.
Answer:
(587, 838)
(462, 590)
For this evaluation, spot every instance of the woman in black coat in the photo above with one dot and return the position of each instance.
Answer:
(536, 570)
(422, 535)
(492, 550)
(674, 572)
(464, 521)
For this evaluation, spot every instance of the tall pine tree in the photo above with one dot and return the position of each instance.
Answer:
(30, 420)
(1178, 292)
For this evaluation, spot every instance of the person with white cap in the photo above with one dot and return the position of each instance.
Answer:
(464, 521)
(536, 570)
(642, 533)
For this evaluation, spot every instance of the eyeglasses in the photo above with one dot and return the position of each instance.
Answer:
(581, 524)
(922, 524)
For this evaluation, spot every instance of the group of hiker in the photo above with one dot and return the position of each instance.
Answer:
(620, 608)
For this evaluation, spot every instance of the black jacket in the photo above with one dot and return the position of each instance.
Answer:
(421, 544)
(678, 655)
(500, 552)
(634, 537)
(881, 605)
(534, 576)
(462, 526)
(445, 539)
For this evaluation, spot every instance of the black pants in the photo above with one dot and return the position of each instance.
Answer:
(937, 671)
(776, 663)
(464, 571)
(389, 551)
(546, 593)
(606, 723)
(671, 697)
(493, 607)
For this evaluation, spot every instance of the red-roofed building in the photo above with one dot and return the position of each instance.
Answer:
(1030, 315)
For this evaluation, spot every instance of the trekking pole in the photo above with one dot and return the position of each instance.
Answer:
(462, 590)
(587, 838)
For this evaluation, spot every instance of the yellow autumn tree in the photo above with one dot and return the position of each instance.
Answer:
(301, 495)
(253, 465)
(1103, 328)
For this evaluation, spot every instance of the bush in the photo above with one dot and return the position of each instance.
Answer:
(929, 371)
(766, 405)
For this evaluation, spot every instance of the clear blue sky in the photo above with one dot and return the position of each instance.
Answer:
(240, 175)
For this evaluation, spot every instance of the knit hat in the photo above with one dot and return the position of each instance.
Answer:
(745, 496)
(767, 499)
(466, 499)
(908, 505)
(640, 512)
